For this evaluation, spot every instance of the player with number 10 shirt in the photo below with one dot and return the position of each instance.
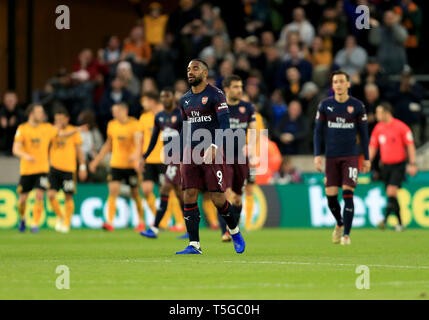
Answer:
(339, 120)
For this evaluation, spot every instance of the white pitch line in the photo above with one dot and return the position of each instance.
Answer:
(329, 264)
(276, 262)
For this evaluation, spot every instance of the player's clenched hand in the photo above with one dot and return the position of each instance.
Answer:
(210, 154)
(318, 163)
(366, 167)
(29, 158)
(93, 166)
(83, 174)
(412, 170)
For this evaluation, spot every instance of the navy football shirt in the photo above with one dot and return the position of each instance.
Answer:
(339, 124)
(170, 124)
(202, 111)
(240, 116)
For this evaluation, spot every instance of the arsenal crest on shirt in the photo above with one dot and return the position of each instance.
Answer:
(204, 100)
(242, 109)
(350, 109)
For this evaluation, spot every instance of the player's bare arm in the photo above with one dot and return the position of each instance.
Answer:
(412, 167)
(136, 157)
(18, 152)
(83, 172)
(107, 147)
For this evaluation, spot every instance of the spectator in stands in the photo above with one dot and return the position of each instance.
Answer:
(165, 58)
(333, 27)
(278, 106)
(183, 15)
(97, 70)
(155, 24)
(209, 15)
(137, 50)
(321, 59)
(299, 24)
(194, 39)
(273, 63)
(411, 17)
(180, 88)
(112, 53)
(92, 140)
(226, 69)
(293, 84)
(389, 39)
(259, 100)
(291, 130)
(287, 173)
(239, 47)
(115, 94)
(254, 53)
(294, 59)
(267, 40)
(310, 96)
(371, 101)
(129, 80)
(242, 67)
(218, 49)
(219, 28)
(149, 84)
(406, 96)
(352, 58)
(11, 116)
(76, 92)
(257, 15)
(371, 74)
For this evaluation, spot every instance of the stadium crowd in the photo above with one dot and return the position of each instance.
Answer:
(284, 51)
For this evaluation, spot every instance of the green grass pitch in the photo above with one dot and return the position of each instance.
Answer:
(277, 264)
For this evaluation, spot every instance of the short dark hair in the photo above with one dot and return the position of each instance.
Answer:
(31, 108)
(226, 83)
(202, 62)
(387, 106)
(151, 95)
(168, 89)
(122, 105)
(61, 110)
(338, 72)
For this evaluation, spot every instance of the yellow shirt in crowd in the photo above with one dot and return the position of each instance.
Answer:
(62, 154)
(123, 146)
(147, 120)
(35, 142)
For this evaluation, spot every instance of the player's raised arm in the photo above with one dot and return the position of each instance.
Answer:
(317, 137)
(362, 122)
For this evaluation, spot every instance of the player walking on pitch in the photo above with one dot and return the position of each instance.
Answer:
(62, 175)
(31, 145)
(204, 109)
(169, 122)
(338, 120)
(241, 118)
(395, 140)
(124, 141)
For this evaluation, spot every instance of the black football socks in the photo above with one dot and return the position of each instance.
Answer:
(335, 208)
(349, 210)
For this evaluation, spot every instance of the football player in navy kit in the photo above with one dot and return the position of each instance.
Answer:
(241, 118)
(169, 122)
(204, 111)
(339, 119)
